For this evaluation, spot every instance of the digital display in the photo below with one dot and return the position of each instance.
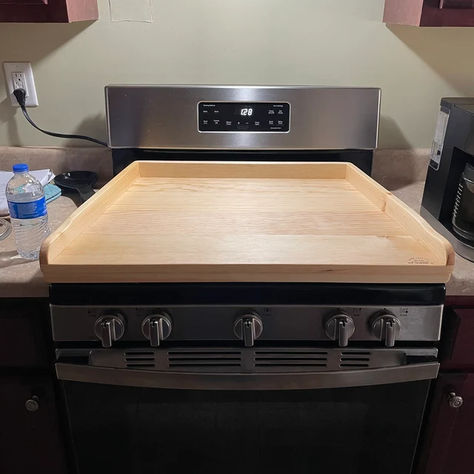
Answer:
(245, 111)
(244, 117)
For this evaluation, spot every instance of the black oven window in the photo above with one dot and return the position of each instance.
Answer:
(370, 430)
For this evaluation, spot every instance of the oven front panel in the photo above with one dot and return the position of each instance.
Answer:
(369, 430)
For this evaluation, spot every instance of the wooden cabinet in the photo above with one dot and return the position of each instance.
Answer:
(30, 437)
(447, 443)
(24, 332)
(429, 12)
(48, 11)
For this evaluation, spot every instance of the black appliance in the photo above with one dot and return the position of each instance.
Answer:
(211, 378)
(447, 200)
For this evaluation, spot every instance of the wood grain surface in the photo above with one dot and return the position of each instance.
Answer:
(208, 221)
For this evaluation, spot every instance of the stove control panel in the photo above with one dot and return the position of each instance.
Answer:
(244, 117)
(247, 326)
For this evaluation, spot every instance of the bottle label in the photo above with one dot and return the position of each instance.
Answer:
(27, 210)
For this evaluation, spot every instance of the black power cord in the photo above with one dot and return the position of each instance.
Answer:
(20, 95)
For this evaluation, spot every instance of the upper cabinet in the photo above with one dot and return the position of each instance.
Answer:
(48, 11)
(429, 12)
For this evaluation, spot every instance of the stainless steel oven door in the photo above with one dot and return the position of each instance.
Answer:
(138, 421)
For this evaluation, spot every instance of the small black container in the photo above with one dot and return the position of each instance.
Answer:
(463, 214)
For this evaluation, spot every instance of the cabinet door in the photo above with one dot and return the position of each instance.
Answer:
(30, 435)
(429, 12)
(448, 443)
(25, 337)
(457, 341)
(447, 13)
(61, 11)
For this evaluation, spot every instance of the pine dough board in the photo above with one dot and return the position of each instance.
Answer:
(245, 222)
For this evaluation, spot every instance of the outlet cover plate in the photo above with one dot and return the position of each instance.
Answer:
(10, 68)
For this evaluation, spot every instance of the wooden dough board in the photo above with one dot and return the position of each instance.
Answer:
(245, 222)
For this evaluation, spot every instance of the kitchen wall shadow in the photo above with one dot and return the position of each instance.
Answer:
(397, 164)
(93, 126)
(448, 51)
(7, 114)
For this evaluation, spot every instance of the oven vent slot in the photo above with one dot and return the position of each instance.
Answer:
(140, 359)
(355, 359)
(198, 358)
(290, 358)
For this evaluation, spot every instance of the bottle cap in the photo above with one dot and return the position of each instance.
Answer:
(20, 168)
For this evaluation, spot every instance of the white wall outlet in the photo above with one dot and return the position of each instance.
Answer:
(20, 75)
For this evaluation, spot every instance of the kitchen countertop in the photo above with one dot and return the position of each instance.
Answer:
(23, 278)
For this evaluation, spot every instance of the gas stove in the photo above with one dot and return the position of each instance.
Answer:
(293, 377)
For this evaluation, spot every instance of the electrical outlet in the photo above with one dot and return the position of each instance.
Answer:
(20, 76)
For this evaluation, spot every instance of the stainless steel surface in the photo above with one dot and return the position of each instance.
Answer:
(109, 328)
(240, 381)
(455, 401)
(249, 360)
(216, 323)
(340, 328)
(156, 328)
(386, 327)
(461, 248)
(32, 404)
(324, 118)
(248, 328)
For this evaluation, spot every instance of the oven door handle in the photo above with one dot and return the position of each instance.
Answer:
(244, 381)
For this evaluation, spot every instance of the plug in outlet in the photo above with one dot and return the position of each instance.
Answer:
(19, 81)
(20, 76)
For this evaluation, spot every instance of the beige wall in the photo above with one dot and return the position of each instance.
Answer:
(324, 42)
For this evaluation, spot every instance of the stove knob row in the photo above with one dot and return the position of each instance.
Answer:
(384, 326)
(111, 327)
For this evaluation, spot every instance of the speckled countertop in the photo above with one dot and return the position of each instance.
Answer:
(23, 278)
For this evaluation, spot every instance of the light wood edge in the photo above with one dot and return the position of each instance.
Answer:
(406, 217)
(83, 216)
(247, 273)
(242, 169)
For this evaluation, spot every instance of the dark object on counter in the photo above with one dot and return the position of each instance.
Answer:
(463, 215)
(80, 181)
(448, 203)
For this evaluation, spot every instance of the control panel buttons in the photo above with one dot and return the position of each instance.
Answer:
(109, 328)
(386, 327)
(340, 327)
(243, 117)
(156, 328)
(248, 328)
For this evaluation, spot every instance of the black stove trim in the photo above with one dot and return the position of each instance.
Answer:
(117, 294)
(122, 157)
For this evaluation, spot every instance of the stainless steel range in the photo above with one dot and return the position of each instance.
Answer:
(245, 377)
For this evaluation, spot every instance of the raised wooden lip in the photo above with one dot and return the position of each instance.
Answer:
(437, 272)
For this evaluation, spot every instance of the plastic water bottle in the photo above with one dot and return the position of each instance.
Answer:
(28, 213)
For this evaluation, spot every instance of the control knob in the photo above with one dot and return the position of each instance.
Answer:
(386, 327)
(109, 328)
(340, 327)
(156, 328)
(248, 328)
